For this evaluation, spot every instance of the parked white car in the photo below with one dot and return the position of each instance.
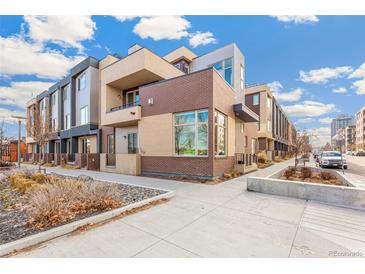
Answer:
(332, 159)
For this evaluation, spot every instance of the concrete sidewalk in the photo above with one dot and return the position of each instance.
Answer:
(215, 221)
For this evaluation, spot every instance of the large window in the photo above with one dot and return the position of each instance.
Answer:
(54, 99)
(191, 133)
(225, 69)
(81, 82)
(256, 99)
(220, 145)
(65, 92)
(84, 115)
(132, 98)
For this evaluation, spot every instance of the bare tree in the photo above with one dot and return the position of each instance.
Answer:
(41, 127)
(301, 145)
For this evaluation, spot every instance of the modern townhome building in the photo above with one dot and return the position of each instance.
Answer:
(292, 138)
(69, 114)
(177, 115)
(360, 133)
(180, 114)
(259, 99)
(273, 130)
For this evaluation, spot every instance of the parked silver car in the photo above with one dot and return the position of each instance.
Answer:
(332, 159)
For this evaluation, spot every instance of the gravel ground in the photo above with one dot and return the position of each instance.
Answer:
(14, 213)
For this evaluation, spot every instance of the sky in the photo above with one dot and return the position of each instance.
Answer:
(315, 65)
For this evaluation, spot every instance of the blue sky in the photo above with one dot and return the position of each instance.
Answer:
(312, 62)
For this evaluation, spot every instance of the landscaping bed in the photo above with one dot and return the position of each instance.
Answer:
(307, 174)
(31, 202)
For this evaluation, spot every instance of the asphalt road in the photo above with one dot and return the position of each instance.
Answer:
(355, 165)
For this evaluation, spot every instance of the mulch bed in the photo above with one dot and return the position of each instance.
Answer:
(14, 211)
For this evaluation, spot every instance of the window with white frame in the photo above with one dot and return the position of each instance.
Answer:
(67, 121)
(242, 74)
(220, 143)
(54, 99)
(84, 115)
(81, 82)
(256, 99)
(225, 69)
(65, 92)
(191, 133)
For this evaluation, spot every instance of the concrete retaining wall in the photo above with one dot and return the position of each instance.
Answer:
(344, 196)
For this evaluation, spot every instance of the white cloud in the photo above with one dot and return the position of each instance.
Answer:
(339, 90)
(309, 109)
(358, 73)
(319, 136)
(19, 57)
(5, 114)
(305, 120)
(325, 120)
(162, 27)
(66, 31)
(275, 86)
(201, 38)
(359, 86)
(123, 18)
(323, 75)
(291, 96)
(297, 19)
(18, 93)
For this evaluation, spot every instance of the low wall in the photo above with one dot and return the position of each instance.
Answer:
(345, 196)
(124, 163)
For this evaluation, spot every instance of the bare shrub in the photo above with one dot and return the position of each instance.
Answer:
(289, 172)
(58, 201)
(326, 175)
(262, 157)
(306, 172)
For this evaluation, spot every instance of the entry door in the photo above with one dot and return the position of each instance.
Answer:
(132, 98)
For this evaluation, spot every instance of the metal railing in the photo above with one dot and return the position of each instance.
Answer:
(110, 159)
(245, 159)
(124, 106)
(70, 158)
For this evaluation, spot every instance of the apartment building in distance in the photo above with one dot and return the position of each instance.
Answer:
(273, 129)
(360, 133)
(340, 121)
(350, 138)
(180, 114)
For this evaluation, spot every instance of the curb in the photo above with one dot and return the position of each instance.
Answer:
(70, 227)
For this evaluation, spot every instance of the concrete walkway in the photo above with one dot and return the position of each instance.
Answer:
(215, 221)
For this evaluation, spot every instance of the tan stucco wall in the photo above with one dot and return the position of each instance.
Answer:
(124, 163)
(156, 135)
(178, 53)
(109, 59)
(239, 136)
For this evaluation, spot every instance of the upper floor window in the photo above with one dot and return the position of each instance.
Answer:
(67, 121)
(220, 144)
(255, 99)
(65, 93)
(84, 115)
(191, 133)
(242, 74)
(81, 82)
(225, 69)
(132, 98)
(53, 99)
(268, 102)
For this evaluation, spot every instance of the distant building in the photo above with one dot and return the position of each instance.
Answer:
(350, 138)
(360, 115)
(339, 122)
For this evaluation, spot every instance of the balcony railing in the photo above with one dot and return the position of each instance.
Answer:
(110, 159)
(245, 159)
(124, 106)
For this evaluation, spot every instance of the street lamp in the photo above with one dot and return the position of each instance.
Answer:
(20, 118)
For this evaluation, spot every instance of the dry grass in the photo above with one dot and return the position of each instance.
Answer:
(262, 157)
(307, 175)
(60, 200)
(70, 167)
(306, 172)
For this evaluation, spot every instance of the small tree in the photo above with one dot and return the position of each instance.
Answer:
(2, 138)
(301, 145)
(41, 127)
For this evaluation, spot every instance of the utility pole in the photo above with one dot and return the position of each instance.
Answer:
(20, 118)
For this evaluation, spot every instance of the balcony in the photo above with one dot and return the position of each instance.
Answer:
(120, 78)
